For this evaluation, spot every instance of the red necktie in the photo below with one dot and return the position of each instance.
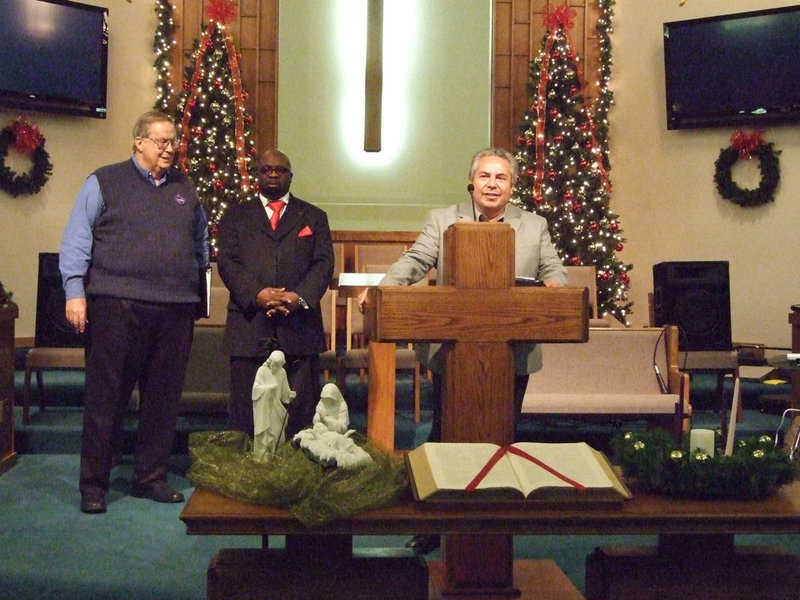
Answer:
(276, 206)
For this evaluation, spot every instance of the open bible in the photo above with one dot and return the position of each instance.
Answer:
(479, 471)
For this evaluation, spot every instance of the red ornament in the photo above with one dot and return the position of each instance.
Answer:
(575, 260)
(613, 226)
(576, 206)
(593, 226)
(212, 167)
(584, 127)
(529, 172)
(185, 85)
(520, 140)
(218, 185)
(623, 277)
(553, 113)
(604, 275)
(568, 195)
(551, 174)
(619, 247)
(558, 138)
(556, 54)
(583, 164)
(530, 143)
(573, 90)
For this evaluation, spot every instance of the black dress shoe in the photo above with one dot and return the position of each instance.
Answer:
(92, 506)
(159, 492)
(423, 544)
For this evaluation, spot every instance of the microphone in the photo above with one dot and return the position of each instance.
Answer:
(470, 188)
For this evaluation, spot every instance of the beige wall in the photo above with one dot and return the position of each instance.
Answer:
(663, 186)
(77, 146)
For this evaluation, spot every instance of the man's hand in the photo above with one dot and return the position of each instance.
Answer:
(76, 314)
(552, 283)
(277, 301)
(362, 300)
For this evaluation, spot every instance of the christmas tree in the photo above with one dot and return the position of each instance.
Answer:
(563, 175)
(216, 150)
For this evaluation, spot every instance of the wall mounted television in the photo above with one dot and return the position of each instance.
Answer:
(54, 57)
(732, 70)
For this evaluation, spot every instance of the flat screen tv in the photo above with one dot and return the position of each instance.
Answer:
(730, 70)
(54, 57)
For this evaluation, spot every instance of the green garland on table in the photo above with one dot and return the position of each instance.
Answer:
(770, 175)
(222, 462)
(652, 462)
(25, 138)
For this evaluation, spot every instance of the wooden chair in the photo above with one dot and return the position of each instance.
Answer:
(585, 276)
(329, 360)
(377, 259)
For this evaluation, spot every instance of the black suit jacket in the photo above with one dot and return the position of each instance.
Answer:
(298, 256)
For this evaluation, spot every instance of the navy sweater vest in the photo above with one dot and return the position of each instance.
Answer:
(144, 238)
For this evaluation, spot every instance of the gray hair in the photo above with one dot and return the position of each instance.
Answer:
(499, 152)
(143, 123)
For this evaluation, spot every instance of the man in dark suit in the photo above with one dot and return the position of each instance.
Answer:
(276, 275)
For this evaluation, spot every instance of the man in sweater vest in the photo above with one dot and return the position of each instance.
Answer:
(130, 260)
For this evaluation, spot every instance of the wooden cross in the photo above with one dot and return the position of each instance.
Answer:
(373, 80)
(476, 315)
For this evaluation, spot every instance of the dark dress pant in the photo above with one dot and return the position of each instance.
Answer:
(303, 374)
(129, 343)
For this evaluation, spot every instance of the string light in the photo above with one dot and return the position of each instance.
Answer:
(562, 149)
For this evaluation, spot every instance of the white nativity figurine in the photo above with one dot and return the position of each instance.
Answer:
(271, 394)
(328, 438)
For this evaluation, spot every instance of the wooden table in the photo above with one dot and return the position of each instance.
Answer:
(701, 530)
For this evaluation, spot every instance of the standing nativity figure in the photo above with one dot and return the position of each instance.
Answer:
(328, 438)
(271, 394)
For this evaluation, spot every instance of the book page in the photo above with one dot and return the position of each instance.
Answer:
(577, 461)
(455, 465)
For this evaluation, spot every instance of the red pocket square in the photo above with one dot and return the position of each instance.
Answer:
(305, 232)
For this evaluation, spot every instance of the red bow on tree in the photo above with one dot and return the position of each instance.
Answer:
(745, 143)
(26, 134)
(222, 11)
(562, 15)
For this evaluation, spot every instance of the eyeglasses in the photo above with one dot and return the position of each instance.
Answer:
(267, 169)
(162, 143)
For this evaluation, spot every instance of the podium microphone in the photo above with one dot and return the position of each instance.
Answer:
(470, 189)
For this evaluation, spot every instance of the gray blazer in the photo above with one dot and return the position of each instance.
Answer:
(535, 256)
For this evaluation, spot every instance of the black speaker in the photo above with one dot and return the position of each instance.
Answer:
(695, 296)
(52, 328)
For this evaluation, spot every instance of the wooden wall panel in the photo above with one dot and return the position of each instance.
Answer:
(518, 33)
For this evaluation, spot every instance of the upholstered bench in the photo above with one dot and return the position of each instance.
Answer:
(618, 374)
(44, 359)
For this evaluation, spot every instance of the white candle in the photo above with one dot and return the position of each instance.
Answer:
(703, 439)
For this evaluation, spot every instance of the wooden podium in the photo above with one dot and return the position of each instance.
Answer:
(476, 314)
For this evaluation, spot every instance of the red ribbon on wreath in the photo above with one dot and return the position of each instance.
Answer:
(746, 143)
(26, 134)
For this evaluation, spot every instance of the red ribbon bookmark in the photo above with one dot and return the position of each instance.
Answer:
(473, 485)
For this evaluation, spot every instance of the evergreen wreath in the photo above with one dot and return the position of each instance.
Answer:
(24, 137)
(745, 146)
(653, 463)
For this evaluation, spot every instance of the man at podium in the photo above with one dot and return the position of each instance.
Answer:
(492, 174)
